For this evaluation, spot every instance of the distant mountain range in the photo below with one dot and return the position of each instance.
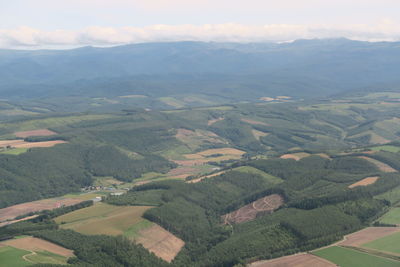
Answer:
(301, 69)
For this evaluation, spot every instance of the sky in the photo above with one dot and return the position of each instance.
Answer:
(36, 24)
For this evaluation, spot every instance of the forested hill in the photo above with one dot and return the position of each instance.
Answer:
(303, 69)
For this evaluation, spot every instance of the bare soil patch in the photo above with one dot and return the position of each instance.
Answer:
(255, 122)
(250, 211)
(365, 181)
(161, 242)
(381, 166)
(35, 244)
(298, 260)
(39, 132)
(367, 235)
(295, 156)
(211, 122)
(34, 206)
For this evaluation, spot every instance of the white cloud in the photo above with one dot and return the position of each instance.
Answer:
(25, 37)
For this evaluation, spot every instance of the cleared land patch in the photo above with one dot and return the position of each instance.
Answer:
(381, 166)
(299, 260)
(295, 156)
(194, 139)
(364, 182)
(345, 257)
(161, 242)
(249, 212)
(102, 218)
(39, 132)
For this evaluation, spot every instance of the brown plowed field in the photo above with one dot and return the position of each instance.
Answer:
(250, 211)
(367, 235)
(45, 204)
(295, 156)
(35, 244)
(182, 172)
(161, 242)
(40, 132)
(381, 166)
(365, 181)
(299, 260)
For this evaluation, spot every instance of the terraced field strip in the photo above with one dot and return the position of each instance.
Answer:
(346, 257)
(364, 182)
(380, 165)
(298, 260)
(249, 212)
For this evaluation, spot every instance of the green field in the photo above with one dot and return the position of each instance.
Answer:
(351, 258)
(392, 217)
(393, 195)
(15, 151)
(12, 257)
(393, 149)
(103, 219)
(389, 243)
(248, 169)
(47, 257)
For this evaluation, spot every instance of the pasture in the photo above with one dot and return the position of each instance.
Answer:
(269, 178)
(388, 243)
(10, 256)
(387, 148)
(367, 235)
(346, 257)
(298, 260)
(391, 217)
(29, 250)
(102, 218)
